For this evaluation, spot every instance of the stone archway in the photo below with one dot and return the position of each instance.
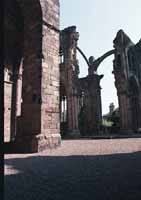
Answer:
(128, 104)
(38, 126)
(32, 71)
(13, 54)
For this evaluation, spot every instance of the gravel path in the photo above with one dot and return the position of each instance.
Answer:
(78, 170)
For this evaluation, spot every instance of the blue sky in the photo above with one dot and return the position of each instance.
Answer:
(97, 22)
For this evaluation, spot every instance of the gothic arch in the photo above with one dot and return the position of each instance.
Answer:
(39, 63)
(32, 13)
(13, 53)
(23, 18)
(98, 61)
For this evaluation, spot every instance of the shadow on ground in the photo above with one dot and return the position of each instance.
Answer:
(106, 177)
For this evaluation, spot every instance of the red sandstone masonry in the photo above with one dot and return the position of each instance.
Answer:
(38, 125)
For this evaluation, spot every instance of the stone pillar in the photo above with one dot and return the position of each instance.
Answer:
(40, 117)
(95, 110)
(123, 65)
(91, 111)
(72, 114)
(124, 106)
(69, 38)
(125, 117)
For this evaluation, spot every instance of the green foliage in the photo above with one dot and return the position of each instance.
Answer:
(107, 123)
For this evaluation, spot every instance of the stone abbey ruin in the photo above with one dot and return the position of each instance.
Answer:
(44, 96)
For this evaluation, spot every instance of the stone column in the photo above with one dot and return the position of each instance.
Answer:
(72, 114)
(95, 110)
(125, 111)
(40, 117)
(122, 43)
(69, 38)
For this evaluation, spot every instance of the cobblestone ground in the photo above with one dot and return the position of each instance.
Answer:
(78, 170)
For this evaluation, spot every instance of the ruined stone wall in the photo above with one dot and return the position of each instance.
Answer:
(90, 117)
(83, 112)
(43, 128)
(50, 71)
(69, 76)
(134, 57)
(127, 81)
(37, 119)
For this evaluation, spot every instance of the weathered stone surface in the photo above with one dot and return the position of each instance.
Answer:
(76, 91)
(40, 92)
(127, 81)
(40, 71)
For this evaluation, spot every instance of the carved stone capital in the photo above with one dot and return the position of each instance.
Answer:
(69, 38)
